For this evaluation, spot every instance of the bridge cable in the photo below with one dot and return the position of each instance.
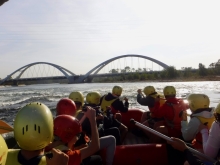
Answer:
(152, 66)
(39, 72)
(33, 71)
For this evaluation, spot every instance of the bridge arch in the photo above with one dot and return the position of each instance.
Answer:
(24, 68)
(103, 64)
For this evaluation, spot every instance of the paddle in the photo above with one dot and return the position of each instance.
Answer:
(4, 127)
(169, 139)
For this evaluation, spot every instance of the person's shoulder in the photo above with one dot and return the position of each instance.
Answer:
(194, 121)
(215, 125)
(13, 151)
(12, 156)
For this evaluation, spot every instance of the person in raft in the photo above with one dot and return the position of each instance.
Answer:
(189, 156)
(4, 128)
(211, 138)
(67, 130)
(3, 151)
(171, 112)
(148, 118)
(201, 114)
(94, 100)
(66, 106)
(33, 131)
(107, 142)
(107, 122)
(112, 100)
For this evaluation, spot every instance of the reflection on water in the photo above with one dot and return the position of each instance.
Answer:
(13, 98)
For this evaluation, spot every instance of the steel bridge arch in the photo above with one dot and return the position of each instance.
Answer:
(60, 68)
(103, 64)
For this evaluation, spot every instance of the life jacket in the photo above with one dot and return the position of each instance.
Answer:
(13, 159)
(161, 101)
(177, 109)
(106, 103)
(206, 121)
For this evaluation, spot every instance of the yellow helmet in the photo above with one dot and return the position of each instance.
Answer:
(93, 98)
(117, 90)
(77, 97)
(198, 101)
(3, 151)
(169, 90)
(149, 90)
(33, 126)
(217, 109)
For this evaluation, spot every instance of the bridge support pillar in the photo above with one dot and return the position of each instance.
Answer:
(15, 82)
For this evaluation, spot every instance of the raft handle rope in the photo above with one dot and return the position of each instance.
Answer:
(169, 139)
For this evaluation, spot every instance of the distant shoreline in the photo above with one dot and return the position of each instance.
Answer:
(184, 79)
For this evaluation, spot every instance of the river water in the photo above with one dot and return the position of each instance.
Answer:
(13, 98)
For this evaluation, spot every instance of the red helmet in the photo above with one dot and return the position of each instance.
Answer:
(66, 127)
(66, 107)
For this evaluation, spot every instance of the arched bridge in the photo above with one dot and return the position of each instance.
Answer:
(100, 66)
(70, 76)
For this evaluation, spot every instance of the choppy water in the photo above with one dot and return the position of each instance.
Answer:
(13, 98)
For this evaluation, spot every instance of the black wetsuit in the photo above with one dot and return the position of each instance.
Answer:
(146, 101)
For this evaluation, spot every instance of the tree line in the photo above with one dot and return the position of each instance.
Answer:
(171, 72)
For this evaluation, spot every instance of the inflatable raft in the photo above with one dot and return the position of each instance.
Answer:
(134, 151)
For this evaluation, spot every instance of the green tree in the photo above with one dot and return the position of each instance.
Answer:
(139, 70)
(136, 76)
(217, 67)
(113, 71)
(143, 76)
(123, 71)
(171, 72)
(202, 70)
(127, 69)
(187, 71)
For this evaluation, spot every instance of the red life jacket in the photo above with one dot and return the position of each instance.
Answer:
(152, 109)
(177, 109)
(197, 142)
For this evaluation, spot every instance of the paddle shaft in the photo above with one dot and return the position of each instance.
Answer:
(169, 139)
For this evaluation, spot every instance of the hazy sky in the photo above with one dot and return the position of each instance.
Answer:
(80, 34)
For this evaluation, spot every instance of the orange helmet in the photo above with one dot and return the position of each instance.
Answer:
(66, 107)
(66, 127)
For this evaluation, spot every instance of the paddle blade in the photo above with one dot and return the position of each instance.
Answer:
(4, 127)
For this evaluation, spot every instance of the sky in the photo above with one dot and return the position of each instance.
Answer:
(80, 34)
